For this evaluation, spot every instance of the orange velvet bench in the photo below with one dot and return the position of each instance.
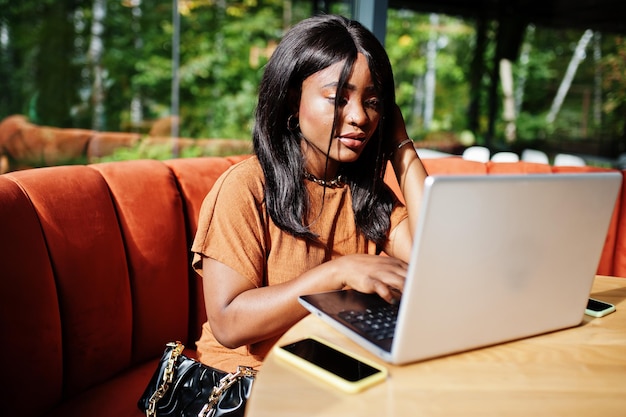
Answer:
(95, 276)
(95, 280)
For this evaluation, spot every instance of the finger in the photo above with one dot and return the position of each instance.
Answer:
(396, 296)
(389, 294)
(395, 276)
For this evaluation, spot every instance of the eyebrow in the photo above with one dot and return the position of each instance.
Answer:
(348, 86)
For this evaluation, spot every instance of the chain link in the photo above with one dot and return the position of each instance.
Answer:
(168, 376)
(226, 382)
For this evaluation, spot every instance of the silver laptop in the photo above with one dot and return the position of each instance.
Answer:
(495, 258)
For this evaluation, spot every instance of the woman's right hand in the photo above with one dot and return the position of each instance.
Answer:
(382, 275)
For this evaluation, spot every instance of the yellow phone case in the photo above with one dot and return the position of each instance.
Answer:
(608, 310)
(329, 377)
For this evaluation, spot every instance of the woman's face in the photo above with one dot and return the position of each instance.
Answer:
(359, 113)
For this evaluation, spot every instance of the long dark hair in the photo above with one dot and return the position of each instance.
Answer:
(311, 46)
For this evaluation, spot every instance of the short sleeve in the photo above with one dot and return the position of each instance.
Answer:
(232, 223)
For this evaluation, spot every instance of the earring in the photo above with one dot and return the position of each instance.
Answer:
(293, 124)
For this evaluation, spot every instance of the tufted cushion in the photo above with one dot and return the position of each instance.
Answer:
(196, 177)
(88, 260)
(30, 324)
(152, 224)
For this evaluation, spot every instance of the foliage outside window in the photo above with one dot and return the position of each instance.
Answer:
(107, 66)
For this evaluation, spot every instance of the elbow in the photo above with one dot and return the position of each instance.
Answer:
(226, 335)
(228, 342)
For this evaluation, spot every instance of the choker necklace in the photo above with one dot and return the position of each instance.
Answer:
(336, 182)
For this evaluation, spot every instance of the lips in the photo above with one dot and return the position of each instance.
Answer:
(352, 141)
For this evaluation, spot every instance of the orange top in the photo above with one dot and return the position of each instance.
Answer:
(235, 229)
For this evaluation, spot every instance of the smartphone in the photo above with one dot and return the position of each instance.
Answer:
(597, 308)
(332, 364)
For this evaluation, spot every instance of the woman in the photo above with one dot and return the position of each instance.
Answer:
(309, 212)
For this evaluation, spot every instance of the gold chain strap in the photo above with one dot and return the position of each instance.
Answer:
(226, 382)
(168, 375)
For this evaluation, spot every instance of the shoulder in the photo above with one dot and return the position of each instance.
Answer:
(245, 177)
(248, 171)
(239, 189)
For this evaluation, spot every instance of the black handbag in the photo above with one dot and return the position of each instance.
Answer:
(184, 387)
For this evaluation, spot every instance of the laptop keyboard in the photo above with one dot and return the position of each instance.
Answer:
(377, 322)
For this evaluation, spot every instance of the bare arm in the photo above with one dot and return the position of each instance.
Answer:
(410, 173)
(240, 313)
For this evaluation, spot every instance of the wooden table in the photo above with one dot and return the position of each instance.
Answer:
(574, 372)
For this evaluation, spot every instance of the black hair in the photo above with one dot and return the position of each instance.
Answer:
(311, 46)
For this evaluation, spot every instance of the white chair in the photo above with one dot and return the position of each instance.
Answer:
(505, 157)
(477, 153)
(533, 155)
(564, 159)
(431, 153)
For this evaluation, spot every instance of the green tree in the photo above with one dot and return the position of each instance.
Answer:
(407, 37)
(614, 67)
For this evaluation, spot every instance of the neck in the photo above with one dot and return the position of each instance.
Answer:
(336, 182)
(325, 171)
